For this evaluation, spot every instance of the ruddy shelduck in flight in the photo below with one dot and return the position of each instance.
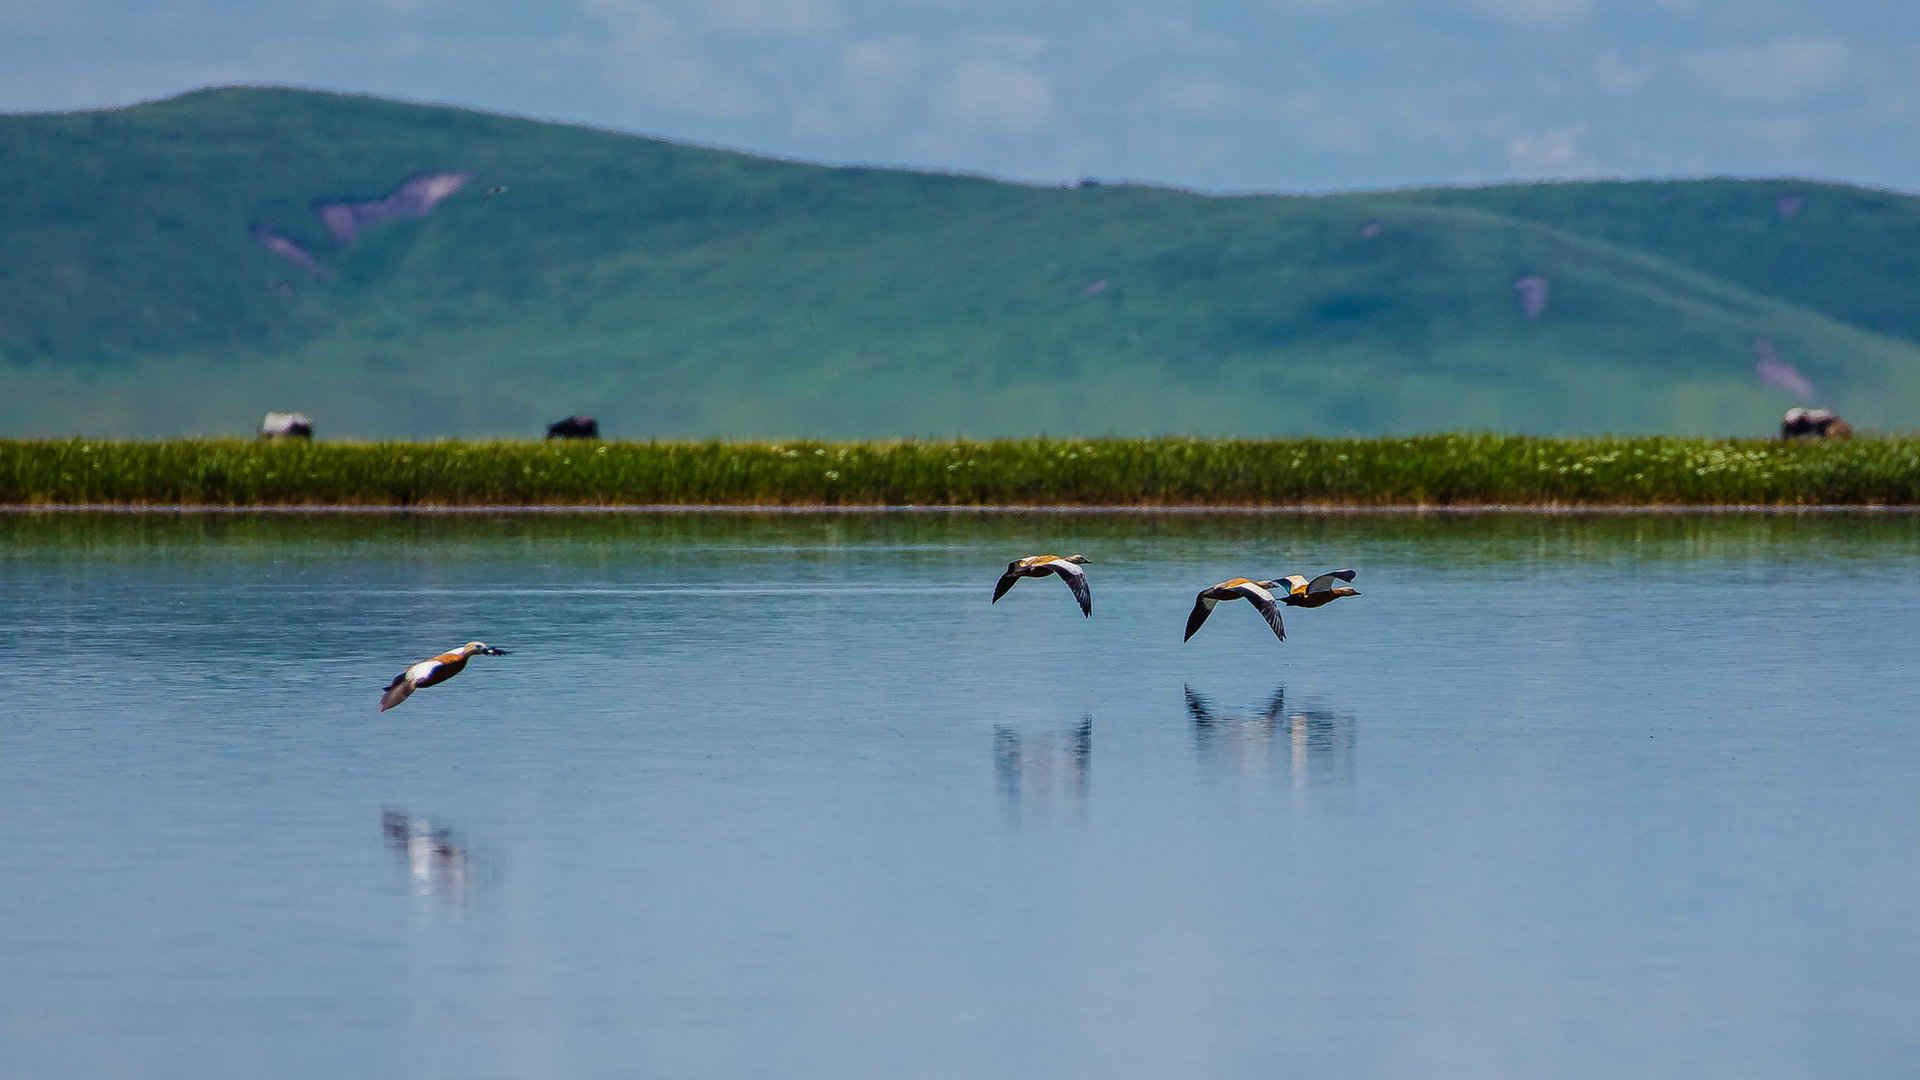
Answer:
(1255, 592)
(1067, 566)
(1321, 590)
(436, 670)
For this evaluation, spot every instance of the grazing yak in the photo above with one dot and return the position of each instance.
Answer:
(574, 427)
(1814, 424)
(286, 425)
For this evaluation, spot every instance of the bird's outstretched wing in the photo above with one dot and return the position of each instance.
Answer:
(1266, 607)
(1295, 583)
(1202, 607)
(1324, 582)
(1000, 587)
(397, 692)
(1076, 580)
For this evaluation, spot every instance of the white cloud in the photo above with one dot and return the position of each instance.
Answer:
(1781, 131)
(1617, 76)
(995, 95)
(879, 69)
(652, 56)
(1322, 7)
(633, 20)
(404, 8)
(1531, 11)
(1022, 47)
(1545, 153)
(690, 83)
(878, 79)
(1783, 70)
(1201, 95)
(773, 17)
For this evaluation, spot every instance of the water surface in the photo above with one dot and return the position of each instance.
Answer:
(784, 795)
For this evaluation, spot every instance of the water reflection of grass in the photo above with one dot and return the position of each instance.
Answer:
(582, 540)
(1438, 470)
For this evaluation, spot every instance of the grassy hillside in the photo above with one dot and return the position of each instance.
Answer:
(675, 291)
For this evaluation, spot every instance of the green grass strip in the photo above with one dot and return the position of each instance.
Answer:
(1435, 470)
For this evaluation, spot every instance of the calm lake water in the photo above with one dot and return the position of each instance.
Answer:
(783, 795)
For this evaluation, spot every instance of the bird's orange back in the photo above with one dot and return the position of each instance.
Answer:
(451, 664)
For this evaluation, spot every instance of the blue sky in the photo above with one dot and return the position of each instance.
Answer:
(1286, 95)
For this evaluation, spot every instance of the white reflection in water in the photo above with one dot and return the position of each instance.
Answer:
(437, 862)
(1319, 741)
(1043, 768)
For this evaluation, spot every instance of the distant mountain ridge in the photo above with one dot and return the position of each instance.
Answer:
(399, 270)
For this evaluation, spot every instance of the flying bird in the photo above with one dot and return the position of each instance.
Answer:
(1321, 590)
(1255, 592)
(1067, 566)
(436, 670)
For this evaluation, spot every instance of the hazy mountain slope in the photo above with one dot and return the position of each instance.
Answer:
(679, 291)
(1852, 253)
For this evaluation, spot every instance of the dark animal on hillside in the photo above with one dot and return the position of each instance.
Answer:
(574, 427)
(1814, 424)
(286, 425)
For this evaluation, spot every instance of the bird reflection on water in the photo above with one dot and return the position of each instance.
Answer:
(436, 860)
(1043, 768)
(1319, 741)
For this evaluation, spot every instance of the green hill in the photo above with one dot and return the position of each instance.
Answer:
(677, 291)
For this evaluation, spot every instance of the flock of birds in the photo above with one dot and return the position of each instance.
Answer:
(1266, 596)
(1294, 590)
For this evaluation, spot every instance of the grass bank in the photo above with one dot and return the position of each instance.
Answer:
(1433, 470)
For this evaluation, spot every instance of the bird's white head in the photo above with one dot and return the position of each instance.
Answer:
(482, 648)
(1079, 559)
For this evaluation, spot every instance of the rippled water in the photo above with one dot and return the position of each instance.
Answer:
(784, 795)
